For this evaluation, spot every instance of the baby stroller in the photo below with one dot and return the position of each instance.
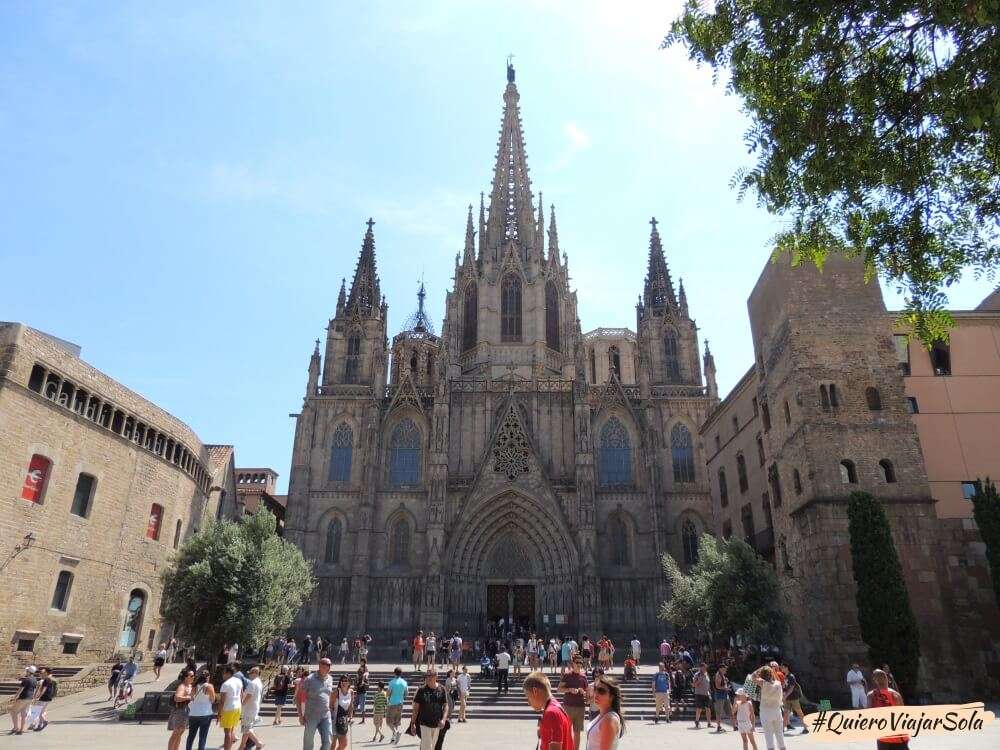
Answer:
(486, 669)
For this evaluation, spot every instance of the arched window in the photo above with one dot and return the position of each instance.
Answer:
(671, 360)
(848, 474)
(593, 366)
(470, 317)
(155, 519)
(689, 539)
(353, 361)
(404, 454)
(797, 481)
(399, 543)
(723, 489)
(824, 398)
(888, 472)
(774, 480)
(834, 401)
(177, 533)
(551, 316)
(341, 454)
(334, 532)
(741, 472)
(614, 362)
(749, 530)
(873, 399)
(413, 364)
(618, 538)
(616, 454)
(510, 308)
(682, 453)
(133, 619)
(60, 597)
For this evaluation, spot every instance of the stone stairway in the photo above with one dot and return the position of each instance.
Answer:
(484, 703)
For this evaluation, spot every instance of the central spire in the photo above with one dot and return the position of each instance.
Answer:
(365, 294)
(659, 290)
(511, 210)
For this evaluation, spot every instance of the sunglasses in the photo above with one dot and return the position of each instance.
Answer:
(601, 690)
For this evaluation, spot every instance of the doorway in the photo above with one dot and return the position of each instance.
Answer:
(510, 606)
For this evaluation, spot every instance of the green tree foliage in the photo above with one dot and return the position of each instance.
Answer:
(235, 582)
(888, 626)
(731, 592)
(876, 126)
(986, 510)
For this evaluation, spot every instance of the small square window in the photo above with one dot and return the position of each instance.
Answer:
(26, 644)
(70, 647)
(968, 490)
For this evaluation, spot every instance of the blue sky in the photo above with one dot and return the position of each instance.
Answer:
(184, 184)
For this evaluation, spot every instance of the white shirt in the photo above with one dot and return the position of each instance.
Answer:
(771, 695)
(232, 692)
(635, 646)
(464, 682)
(855, 679)
(503, 660)
(255, 689)
(594, 736)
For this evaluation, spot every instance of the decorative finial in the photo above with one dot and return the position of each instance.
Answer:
(510, 69)
(653, 222)
(317, 346)
(371, 223)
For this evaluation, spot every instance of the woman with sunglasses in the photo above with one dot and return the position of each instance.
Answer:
(604, 732)
(345, 711)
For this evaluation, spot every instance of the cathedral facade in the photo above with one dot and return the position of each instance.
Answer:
(509, 468)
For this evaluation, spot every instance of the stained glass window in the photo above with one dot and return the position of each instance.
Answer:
(671, 360)
(689, 538)
(615, 454)
(551, 316)
(341, 454)
(352, 366)
(399, 543)
(333, 534)
(404, 454)
(510, 308)
(470, 317)
(682, 452)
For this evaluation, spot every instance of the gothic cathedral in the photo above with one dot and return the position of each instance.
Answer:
(511, 468)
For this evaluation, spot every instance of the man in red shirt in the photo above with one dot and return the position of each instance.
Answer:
(555, 731)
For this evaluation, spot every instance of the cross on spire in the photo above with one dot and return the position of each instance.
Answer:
(370, 223)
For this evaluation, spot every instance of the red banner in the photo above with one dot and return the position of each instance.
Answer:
(35, 479)
(155, 516)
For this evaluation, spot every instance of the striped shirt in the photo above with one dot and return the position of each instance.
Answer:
(379, 704)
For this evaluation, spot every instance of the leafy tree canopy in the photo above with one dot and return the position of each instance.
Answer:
(875, 124)
(731, 592)
(986, 511)
(235, 582)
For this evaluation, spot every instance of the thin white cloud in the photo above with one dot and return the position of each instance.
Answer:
(577, 141)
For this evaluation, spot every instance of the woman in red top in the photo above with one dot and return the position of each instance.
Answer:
(883, 696)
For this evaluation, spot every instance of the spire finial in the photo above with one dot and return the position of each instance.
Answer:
(370, 223)
(510, 68)
(316, 350)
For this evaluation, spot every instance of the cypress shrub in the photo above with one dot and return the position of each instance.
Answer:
(986, 511)
(888, 626)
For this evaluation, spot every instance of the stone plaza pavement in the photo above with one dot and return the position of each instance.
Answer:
(85, 721)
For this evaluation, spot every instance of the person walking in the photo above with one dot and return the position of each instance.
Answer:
(604, 732)
(661, 693)
(882, 696)
(720, 694)
(44, 694)
(418, 650)
(116, 674)
(344, 649)
(430, 711)
(253, 693)
(858, 685)
(636, 648)
(229, 706)
(771, 695)
(455, 650)
(344, 705)
(394, 709)
(503, 670)
(279, 689)
(314, 699)
(702, 695)
(379, 704)
(431, 648)
(553, 654)
(665, 650)
(573, 689)
(361, 689)
(234, 653)
(555, 729)
(745, 719)
(201, 710)
(793, 699)
(464, 681)
(159, 659)
(177, 721)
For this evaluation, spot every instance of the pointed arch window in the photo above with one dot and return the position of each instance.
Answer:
(551, 316)
(413, 363)
(404, 454)
(723, 488)
(689, 540)
(671, 357)
(619, 538)
(741, 472)
(334, 534)
(593, 366)
(353, 362)
(134, 612)
(341, 454)
(614, 362)
(615, 454)
(682, 453)
(399, 542)
(470, 317)
(510, 308)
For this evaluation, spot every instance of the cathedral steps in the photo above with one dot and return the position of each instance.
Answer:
(484, 703)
